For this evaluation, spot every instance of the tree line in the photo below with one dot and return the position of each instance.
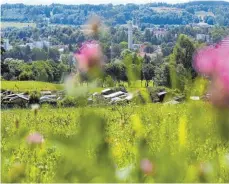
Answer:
(117, 14)
(130, 67)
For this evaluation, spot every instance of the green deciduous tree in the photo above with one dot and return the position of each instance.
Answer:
(38, 54)
(148, 73)
(54, 54)
(181, 62)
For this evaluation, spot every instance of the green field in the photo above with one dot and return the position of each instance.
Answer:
(182, 143)
(17, 24)
(22, 86)
(39, 86)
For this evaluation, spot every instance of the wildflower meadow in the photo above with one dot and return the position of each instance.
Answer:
(131, 141)
(148, 143)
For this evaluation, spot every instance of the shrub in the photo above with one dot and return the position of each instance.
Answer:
(24, 76)
(99, 82)
(71, 101)
(68, 101)
(109, 82)
(2, 78)
(120, 88)
(153, 93)
(34, 97)
(99, 100)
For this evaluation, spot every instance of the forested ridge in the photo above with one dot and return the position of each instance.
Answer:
(152, 13)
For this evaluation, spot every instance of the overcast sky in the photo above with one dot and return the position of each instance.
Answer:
(89, 1)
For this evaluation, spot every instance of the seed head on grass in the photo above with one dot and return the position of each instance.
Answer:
(17, 122)
(93, 26)
(35, 108)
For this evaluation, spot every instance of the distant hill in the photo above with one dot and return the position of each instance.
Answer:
(208, 2)
(145, 14)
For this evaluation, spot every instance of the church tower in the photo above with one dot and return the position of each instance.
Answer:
(130, 35)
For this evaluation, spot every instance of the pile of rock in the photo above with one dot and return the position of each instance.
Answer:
(10, 99)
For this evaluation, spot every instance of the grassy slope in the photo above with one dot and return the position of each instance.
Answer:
(29, 86)
(37, 85)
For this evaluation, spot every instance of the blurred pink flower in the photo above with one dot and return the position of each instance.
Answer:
(204, 61)
(214, 62)
(205, 168)
(211, 60)
(146, 166)
(35, 138)
(90, 56)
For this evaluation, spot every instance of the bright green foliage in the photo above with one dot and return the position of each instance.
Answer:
(123, 44)
(133, 65)
(218, 33)
(48, 71)
(181, 70)
(182, 142)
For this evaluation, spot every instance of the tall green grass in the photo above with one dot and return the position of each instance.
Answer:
(85, 144)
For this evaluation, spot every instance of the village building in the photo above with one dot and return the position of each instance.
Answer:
(7, 45)
(203, 37)
(160, 33)
(36, 44)
(201, 25)
(136, 46)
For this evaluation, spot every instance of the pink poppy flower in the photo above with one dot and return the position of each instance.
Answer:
(35, 138)
(146, 166)
(89, 56)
